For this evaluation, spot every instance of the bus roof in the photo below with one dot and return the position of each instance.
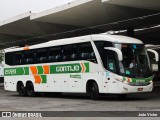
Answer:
(95, 37)
(116, 39)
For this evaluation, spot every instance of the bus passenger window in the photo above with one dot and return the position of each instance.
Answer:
(55, 54)
(69, 53)
(51, 58)
(58, 58)
(73, 56)
(29, 57)
(41, 56)
(9, 58)
(18, 58)
(87, 53)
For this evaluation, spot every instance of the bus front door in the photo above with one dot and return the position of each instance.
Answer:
(112, 86)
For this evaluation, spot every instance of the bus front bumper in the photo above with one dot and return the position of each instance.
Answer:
(125, 88)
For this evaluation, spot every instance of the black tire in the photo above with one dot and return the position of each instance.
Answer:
(122, 96)
(94, 91)
(30, 90)
(21, 89)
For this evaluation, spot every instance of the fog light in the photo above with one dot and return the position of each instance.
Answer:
(125, 82)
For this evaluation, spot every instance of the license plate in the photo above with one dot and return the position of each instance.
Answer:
(140, 89)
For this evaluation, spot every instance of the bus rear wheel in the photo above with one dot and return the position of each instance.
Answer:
(21, 89)
(94, 91)
(30, 90)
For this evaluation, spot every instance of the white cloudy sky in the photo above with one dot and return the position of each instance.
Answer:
(11, 8)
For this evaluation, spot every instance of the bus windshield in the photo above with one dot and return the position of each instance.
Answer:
(135, 62)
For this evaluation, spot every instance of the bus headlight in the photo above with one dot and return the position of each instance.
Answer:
(121, 80)
(150, 81)
(125, 82)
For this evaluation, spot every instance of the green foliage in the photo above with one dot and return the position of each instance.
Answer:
(1, 56)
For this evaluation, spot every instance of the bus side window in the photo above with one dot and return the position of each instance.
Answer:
(51, 58)
(18, 58)
(69, 53)
(29, 57)
(73, 56)
(100, 47)
(55, 54)
(86, 52)
(9, 58)
(41, 56)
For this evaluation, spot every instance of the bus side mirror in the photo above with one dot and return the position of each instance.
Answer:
(154, 58)
(155, 54)
(119, 53)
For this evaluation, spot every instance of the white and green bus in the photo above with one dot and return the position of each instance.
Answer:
(91, 64)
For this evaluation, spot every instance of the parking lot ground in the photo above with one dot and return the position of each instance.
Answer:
(10, 101)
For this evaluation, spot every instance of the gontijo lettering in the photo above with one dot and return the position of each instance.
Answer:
(67, 68)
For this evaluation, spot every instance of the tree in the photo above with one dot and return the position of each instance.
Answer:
(1, 55)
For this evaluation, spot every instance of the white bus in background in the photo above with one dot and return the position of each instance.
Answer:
(91, 64)
(155, 63)
(152, 51)
(1, 73)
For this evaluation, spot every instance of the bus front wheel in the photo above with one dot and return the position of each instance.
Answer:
(30, 90)
(94, 91)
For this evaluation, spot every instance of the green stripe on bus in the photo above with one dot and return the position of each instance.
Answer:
(16, 71)
(40, 69)
(26, 70)
(136, 80)
(146, 80)
(54, 69)
(87, 67)
(44, 78)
